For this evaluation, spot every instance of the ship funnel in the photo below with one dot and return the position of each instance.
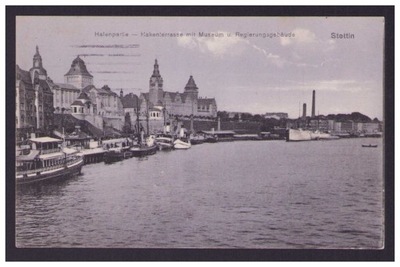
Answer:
(304, 111)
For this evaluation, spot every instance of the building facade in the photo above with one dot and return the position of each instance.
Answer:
(34, 100)
(130, 104)
(99, 106)
(175, 103)
(279, 115)
(63, 96)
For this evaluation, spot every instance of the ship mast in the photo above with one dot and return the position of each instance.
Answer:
(138, 120)
(147, 117)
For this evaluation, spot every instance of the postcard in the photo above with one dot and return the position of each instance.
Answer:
(200, 133)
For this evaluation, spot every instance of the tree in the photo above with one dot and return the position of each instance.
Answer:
(223, 115)
(258, 117)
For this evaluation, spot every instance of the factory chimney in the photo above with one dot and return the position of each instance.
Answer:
(304, 111)
(313, 105)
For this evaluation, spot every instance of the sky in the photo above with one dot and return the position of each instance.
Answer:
(250, 64)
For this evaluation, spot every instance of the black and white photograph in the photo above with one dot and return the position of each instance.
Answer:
(200, 132)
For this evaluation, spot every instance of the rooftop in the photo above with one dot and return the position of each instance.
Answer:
(45, 140)
(78, 67)
(191, 85)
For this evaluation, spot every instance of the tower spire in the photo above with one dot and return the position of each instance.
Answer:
(156, 71)
(37, 62)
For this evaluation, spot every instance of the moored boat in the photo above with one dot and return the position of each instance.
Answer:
(47, 160)
(165, 142)
(197, 139)
(114, 155)
(144, 149)
(210, 139)
(318, 135)
(298, 135)
(182, 144)
(307, 135)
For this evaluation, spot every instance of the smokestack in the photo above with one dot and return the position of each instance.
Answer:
(304, 111)
(313, 104)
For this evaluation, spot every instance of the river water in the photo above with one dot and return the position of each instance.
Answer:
(244, 194)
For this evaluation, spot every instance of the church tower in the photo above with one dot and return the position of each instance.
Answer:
(37, 69)
(156, 92)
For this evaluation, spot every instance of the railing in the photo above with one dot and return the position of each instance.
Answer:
(48, 151)
(49, 168)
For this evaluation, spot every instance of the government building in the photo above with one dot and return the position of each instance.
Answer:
(178, 104)
(159, 106)
(38, 98)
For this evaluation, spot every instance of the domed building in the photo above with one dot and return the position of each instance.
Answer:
(78, 75)
(77, 78)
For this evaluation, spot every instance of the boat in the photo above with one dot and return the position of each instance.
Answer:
(318, 135)
(182, 144)
(47, 160)
(164, 142)
(298, 135)
(118, 154)
(307, 135)
(144, 149)
(218, 136)
(197, 139)
(343, 135)
(143, 146)
(210, 139)
(369, 145)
